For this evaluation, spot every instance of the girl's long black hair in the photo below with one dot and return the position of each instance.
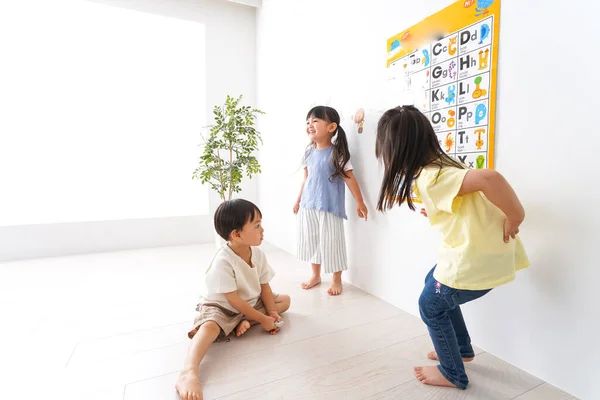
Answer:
(406, 142)
(341, 153)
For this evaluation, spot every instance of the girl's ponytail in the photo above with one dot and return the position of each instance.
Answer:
(341, 153)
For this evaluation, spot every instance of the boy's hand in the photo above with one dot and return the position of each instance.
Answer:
(361, 210)
(268, 324)
(511, 229)
(423, 212)
(275, 315)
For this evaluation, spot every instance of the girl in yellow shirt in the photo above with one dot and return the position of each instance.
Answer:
(478, 215)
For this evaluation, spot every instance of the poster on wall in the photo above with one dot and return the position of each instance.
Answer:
(446, 66)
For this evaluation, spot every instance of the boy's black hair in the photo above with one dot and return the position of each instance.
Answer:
(232, 215)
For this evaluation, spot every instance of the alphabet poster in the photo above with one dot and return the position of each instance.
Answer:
(446, 66)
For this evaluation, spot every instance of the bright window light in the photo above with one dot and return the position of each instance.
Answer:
(101, 110)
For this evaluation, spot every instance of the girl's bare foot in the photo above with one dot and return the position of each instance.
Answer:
(335, 289)
(336, 284)
(433, 356)
(432, 376)
(188, 386)
(242, 328)
(312, 282)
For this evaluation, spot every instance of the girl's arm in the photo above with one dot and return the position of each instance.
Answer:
(500, 193)
(352, 183)
(297, 204)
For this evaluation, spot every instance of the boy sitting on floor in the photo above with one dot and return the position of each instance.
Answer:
(238, 291)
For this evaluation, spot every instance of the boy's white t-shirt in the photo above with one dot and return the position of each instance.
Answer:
(229, 273)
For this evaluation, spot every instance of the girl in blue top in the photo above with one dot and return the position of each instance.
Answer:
(321, 203)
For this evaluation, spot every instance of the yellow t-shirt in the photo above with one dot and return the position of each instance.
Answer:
(473, 255)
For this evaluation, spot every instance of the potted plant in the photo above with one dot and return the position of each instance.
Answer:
(229, 149)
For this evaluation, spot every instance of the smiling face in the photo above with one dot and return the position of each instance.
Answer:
(320, 130)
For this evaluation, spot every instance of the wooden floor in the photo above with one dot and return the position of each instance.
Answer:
(113, 326)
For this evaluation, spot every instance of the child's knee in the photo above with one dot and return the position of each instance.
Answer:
(211, 327)
(284, 301)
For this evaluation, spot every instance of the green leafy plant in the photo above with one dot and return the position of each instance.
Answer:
(229, 148)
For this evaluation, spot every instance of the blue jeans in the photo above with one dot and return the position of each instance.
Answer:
(440, 310)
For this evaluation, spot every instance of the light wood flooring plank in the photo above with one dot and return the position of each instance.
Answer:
(490, 379)
(223, 376)
(546, 392)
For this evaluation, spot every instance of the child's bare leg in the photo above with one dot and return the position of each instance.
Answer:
(282, 303)
(315, 279)
(188, 384)
(336, 284)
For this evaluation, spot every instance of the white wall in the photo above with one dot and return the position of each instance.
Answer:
(230, 31)
(324, 50)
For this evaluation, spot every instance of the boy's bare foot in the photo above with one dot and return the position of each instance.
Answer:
(335, 289)
(188, 386)
(433, 356)
(242, 328)
(431, 376)
(312, 282)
